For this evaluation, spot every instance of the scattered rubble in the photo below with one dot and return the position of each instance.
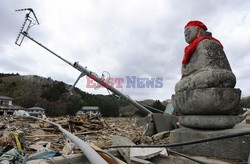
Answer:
(35, 139)
(28, 140)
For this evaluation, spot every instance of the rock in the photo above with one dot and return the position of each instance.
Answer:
(210, 121)
(160, 136)
(147, 139)
(149, 129)
(211, 101)
(236, 148)
(144, 120)
(145, 153)
(164, 122)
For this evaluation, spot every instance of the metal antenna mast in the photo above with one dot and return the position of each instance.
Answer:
(30, 21)
(27, 24)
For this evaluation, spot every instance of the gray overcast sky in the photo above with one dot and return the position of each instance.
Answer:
(142, 38)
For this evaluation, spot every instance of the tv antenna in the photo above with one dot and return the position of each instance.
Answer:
(30, 20)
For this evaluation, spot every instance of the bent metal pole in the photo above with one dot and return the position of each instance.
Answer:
(90, 153)
(92, 75)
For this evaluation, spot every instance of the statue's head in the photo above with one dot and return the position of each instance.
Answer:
(194, 29)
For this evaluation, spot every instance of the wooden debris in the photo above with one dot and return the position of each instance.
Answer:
(104, 156)
(84, 133)
(44, 136)
(92, 129)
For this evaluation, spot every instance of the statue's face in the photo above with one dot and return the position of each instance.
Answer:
(190, 33)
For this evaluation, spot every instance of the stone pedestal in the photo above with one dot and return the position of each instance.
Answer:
(237, 148)
(213, 122)
(207, 101)
(208, 108)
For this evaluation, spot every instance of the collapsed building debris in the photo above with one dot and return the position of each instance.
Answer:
(31, 140)
(30, 136)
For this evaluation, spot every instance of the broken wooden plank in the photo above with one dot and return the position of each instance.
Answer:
(88, 132)
(43, 136)
(105, 156)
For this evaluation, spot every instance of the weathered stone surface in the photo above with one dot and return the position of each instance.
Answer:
(210, 121)
(206, 78)
(149, 130)
(145, 153)
(164, 122)
(144, 120)
(147, 139)
(176, 159)
(207, 64)
(236, 148)
(211, 101)
(207, 83)
(160, 136)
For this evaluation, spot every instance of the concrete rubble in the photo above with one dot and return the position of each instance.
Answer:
(33, 141)
(35, 136)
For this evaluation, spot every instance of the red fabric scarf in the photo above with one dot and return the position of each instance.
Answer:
(189, 50)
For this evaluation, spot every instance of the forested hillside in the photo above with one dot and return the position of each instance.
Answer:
(32, 90)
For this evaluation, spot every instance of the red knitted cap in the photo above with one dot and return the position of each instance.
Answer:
(196, 23)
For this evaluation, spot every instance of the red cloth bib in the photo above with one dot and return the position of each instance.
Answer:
(189, 50)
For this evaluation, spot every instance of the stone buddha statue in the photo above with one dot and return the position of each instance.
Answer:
(205, 95)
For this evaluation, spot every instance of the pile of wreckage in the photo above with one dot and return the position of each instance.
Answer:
(27, 140)
(32, 140)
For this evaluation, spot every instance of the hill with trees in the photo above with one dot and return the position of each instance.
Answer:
(32, 90)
